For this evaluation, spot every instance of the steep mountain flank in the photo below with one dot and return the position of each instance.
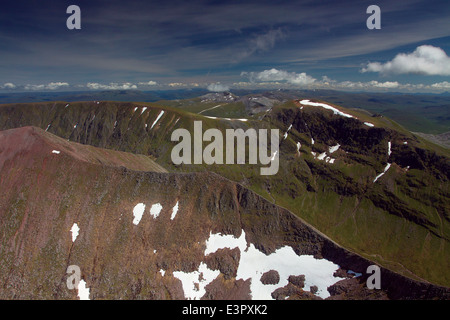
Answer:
(362, 180)
(154, 235)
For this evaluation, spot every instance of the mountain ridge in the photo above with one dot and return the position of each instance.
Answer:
(368, 217)
(227, 209)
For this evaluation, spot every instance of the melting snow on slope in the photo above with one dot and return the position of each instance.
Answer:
(143, 110)
(389, 148)
(273, 156)
(75, 229)
(138, 211)
(334, 149)
(201, 278)
(209, 109)
(228, 119)
(83, 292)
(56, 151)
(321, 156)
(155, 210)
(286, 133)
(157, 118)
(174, 211)
(369, 124)
(323, 105)
(385, 169)
(299, 145)
(285, 261)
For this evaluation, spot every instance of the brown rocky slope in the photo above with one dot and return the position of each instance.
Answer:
(44, 193)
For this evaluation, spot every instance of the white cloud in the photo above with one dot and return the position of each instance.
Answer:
(49, 86)
(273, 74)
(8, 85)
(218, 87)
(273, 78)
(426, 59)
(176, 84)
(111, 86)
(260, 43)
(441, 85)
(56, 85)
(387, 84)
(149, 83)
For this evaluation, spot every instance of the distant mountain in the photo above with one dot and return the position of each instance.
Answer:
(109, 95)
(427, 113)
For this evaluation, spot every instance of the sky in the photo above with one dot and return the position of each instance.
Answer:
(225, 45)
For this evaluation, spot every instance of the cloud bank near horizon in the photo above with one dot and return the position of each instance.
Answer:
(267, 79)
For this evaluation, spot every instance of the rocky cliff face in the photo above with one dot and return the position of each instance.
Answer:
(155, 235)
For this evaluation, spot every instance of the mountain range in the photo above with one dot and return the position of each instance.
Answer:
(354, 189)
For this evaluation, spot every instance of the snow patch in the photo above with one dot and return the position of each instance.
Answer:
(273, 156)
(326, 106)
(334, 149)
(155, 210)
(75, 229)
(56, 151)
(286, 133)
(381, 174)
(218, 241)
(174, 211)
(83, 291)
(322, 156)
(228, 119)
(143, 110)
(369, 124)
(285, 261)
(157, 119)
(209, 109)
(389, 148)
(138, 211)
(194, 283)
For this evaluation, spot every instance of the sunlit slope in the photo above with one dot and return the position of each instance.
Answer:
(366, 182)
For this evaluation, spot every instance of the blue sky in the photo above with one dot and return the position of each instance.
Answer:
(149, 45)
